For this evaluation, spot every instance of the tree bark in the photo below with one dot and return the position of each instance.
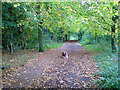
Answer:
(10, 43)
(63, 39)
(79, 36)
(66, 36)
(23, 38)
(113, 38)
(96, 36)
(114, 18)
(51, 36)
(40, 38)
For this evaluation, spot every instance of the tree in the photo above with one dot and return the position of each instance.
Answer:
(10, 14)
(25, 23)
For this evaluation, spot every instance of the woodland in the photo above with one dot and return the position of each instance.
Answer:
(34, 34)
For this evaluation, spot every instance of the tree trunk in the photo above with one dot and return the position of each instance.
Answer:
(79, 36)
(10, 44)
(51, 36)
(40, 39)
(59, 38)
(96, 36)
(23, 38)
(113, 38)
(22, 44)
(63, 39)
(119, 28)
(114, 18)
(66, 37)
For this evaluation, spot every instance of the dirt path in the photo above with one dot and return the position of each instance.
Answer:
(49, 69)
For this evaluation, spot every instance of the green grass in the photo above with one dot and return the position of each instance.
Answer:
(52, 45)
(100, 47)
(107, 63)
(49, 44)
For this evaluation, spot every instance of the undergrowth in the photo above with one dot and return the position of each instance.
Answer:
(18, 59)
(52, 44)
(107, 63)
(47, 43)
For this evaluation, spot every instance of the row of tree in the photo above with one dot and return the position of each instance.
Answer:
(25, 23)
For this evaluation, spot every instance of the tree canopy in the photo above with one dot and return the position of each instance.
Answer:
(25, 22)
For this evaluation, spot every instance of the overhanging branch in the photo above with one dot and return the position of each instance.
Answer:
(106, 22)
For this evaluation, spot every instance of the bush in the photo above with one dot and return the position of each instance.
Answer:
(106, 61)
(108, 73)
(108, 66)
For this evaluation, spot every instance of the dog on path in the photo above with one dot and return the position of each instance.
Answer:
(65, 55)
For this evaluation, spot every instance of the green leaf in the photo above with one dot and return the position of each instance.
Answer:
(112, 3)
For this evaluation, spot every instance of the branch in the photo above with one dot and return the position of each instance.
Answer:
(100, 25)
(105, 28)
(106, 22)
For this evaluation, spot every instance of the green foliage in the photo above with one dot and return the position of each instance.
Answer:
(108, 72)
(90, 44)
(49, 44)
(105, 56)
(52, 44)
(106, 62)
(20, 23)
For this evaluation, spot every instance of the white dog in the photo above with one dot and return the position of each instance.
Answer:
(65, 55)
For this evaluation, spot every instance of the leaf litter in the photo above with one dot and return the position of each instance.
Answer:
(49, 70)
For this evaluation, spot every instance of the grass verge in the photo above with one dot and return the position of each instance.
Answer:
(107, 63)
